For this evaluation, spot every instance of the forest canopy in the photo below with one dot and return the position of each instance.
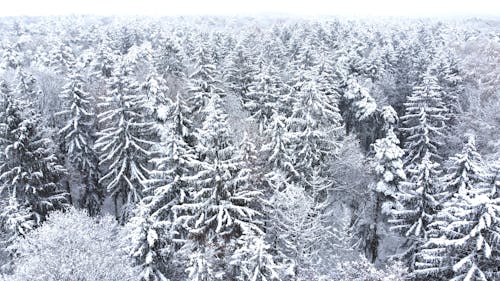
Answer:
(249, 148)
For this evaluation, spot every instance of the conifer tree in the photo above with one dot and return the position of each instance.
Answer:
(464, 242)
(313, 126)
(154, 229)
(423, 121)
(78, 137)
(263, 97)
(239, 72)
(169, 59)
(123, 143)
(219, 208)
(420, 203)
(390, 175)
(203, 82)
(30, 173)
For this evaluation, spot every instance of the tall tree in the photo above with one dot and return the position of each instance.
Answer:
(125, 140)
(219, 208)
(154, 228)
(30, 173)
(78, 137)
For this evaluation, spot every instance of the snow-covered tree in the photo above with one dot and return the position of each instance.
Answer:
(254, 261)
(313, 126)
(390, 175)
(466, 169)
(419, 200)
(154, 229)
(423, 121)
(362, 270)
(203, 81)
(220, 204)
(123, 143)
(61, 58)
(263, 96)
(304, 234)
(277, 154)
(240, 71)
(169, 58)
(464, 242)
(30, 173)
(358, 109)
(78, 136)
(72, 246)
(389, 168)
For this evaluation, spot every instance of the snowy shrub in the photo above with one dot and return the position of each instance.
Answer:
(72, 246)
(362, 270)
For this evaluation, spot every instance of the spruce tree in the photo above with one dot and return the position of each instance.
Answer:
(78, 137)
(263, 97)
(219, 207)
(30, 173)
(313, 126)
(420, 202)
(154, 228)
(203, 81)
(465, 233)
(125, 140)
(423, 121)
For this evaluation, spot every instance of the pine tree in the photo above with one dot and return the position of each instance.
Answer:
(154, 226)
(313, 126)
(203, 82)
(122, 142)
(423, 121)
(419, 200)
(78, 138)
(30, 173)
(464, 242)
(263, 97)
(219, 208)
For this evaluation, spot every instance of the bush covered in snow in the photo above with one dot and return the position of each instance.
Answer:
(72, 246)
(363, 270)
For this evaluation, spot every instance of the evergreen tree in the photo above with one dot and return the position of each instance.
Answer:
(169, 59)
(464, 242)
(203, 82)
(239, 72)
(219, 208)
(124, 142)
(78, 138)
(390, 175)
(466, 169)
(419, 205)
(30, 172)
(263, 97)
(358, 110)
(154, 226)
(313, 126)
(423, 121)
(276, 151)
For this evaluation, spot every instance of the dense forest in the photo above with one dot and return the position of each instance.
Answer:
(251, 149)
